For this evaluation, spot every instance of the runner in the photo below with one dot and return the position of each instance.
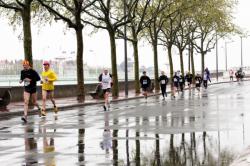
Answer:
(181, 83)
(48, 78)
(29, 77)
(145, 84)
(189, 79)
(163, 79)
(175, 84)
(105, 80)
(198, 81)
(208, 74)
(205, 79)
(231, 74)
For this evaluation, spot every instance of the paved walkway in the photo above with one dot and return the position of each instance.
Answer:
(16, 108)
(209, 127)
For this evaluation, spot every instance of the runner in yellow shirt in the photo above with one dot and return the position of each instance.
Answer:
(48, 78)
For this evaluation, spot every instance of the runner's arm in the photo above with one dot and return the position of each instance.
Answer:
(21, 77)
(53, 77)
(37, 76)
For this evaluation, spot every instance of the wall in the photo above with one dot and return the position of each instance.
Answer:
(63, 90)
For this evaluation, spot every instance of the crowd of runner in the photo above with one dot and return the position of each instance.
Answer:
(29, 77)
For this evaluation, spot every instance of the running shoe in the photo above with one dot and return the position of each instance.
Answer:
(104, 107)
(55, 110)
(43, 113)
(24, 119)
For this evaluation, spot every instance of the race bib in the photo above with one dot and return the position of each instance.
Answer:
(197, 82)
(144, 82)
(175, 79)
(26, 83)
(180, 80)
(163, 82)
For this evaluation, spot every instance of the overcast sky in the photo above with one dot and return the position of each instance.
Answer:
(51, 41)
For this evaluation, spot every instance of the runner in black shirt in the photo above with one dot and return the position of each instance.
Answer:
(145, 84)
(163, 80)
(198, 81)
(175, 83)
(189, 79)
(29, 77)
(181, 82)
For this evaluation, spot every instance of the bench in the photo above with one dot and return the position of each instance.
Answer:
(5, 96)
(97, 93)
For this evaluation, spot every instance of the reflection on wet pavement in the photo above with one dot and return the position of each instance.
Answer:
(206, 128)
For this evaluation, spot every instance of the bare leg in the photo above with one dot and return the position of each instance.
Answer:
(34, 100)
(44, 97)
(51, 94)
(26, 97)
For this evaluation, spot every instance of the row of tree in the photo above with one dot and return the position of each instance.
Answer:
(192, 24)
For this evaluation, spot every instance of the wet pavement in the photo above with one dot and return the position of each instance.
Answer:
(210, 127)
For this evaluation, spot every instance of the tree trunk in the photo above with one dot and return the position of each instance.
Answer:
(181, 62)
(157, 86)
(80, 69)
(136, 64)
(172, 150)
(115, 148)
(170, 62)
(27, 37)
(202, 62)
(137, 150)
(115, 88)
(157, 150)
(192, 60)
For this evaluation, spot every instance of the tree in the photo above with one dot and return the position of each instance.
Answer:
(23, 9)
(105, 14)
(213, 18)
(153, 28)
(187, 27)
(169, 31)
(136, 26)
(70, 12)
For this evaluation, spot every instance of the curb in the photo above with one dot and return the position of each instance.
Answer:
(64, 108)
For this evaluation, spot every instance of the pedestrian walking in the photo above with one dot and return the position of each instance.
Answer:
(208, 74)
(145, 84)
(29, 77)
(163, 80)
(198, 81)
(231, 74)
(205, 79)
(175, 84)
(105, 80)
(48, 78)
(189, 79)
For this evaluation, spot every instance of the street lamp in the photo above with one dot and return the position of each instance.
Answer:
(241, 50)
(217, 74)
(125, 50)
(226, 52)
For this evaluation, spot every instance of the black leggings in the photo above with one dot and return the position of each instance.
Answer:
(205, 83)
(163, 90)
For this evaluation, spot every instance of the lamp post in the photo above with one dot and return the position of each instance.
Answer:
(217, 74)
(241, 52)
(226, 52)
(125, 50)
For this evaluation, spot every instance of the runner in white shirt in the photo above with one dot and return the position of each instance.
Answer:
(105, 80)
